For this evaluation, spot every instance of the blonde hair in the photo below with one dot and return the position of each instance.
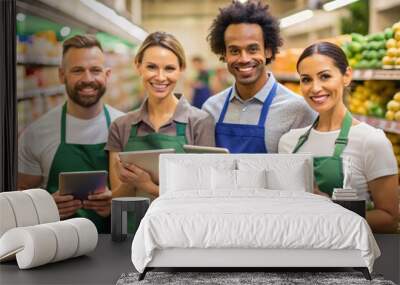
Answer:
(164, 40)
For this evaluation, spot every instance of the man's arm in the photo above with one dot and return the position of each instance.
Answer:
(27, 181)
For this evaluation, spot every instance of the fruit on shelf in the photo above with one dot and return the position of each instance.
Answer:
(388, 33)
(371, 99)
(367, 52)
(392, 58)
(391, 43)
(393, 108)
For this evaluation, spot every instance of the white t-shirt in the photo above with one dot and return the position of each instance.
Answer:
(369, 150)
(38, 143)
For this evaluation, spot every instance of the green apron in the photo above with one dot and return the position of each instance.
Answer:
(154, 141)
(79, 157)
(328, 170)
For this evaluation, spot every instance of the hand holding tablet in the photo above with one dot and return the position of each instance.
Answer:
(82, 183)
(148, 160)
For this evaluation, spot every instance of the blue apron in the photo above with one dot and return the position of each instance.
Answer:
(240, 138)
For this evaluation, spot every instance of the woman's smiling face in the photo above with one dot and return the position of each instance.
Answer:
(321, 82)
(160, 71)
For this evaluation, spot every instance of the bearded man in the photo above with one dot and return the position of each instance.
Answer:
(72, 137)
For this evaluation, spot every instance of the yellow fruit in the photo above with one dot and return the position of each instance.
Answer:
(356, 102)
(397, 61)
(361, 110)
(397, 116)
(398, 52)
(392, 52)
(396, 26)
(387, 60)
(398, 44)
(352, 108)
(390, 43)
(389, 115)
(393, 106)
(397, 35)
(396, 97)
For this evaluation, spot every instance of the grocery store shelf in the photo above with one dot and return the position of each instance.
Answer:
(287, 77)
(358, 74)
(38, 60)
(50, 91)
(376, 74)
(387, 126)
(386, 5)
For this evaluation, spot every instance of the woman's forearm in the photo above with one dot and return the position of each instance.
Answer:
(381, 221)
(124, 190)
(149, 187)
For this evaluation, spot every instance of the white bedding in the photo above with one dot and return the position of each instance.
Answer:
(252, 218)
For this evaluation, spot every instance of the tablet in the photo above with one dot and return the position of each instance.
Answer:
(148, 160)
(204, 149)
(81, 183)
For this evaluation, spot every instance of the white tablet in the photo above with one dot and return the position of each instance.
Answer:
(81, 183)
(204, 149)
(145, 159)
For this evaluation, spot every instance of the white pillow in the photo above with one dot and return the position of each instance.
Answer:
(188, 177)
(251, 178)
(282, 173)
(293, 180)
(223, 179)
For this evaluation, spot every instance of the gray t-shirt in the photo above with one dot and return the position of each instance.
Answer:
(288, 111)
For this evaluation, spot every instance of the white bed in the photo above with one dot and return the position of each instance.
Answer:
(221, 211)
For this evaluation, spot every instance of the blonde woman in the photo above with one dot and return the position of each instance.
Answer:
(164, 120)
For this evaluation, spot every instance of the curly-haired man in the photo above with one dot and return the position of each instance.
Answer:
(252, 115)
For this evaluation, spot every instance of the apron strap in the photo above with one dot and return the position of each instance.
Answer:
(264, 110)
(108, 117)
(267, 105)
(64, 121)
(225, 108)
(134, 130)
(342, 140)
(180, 129)
(304, 137)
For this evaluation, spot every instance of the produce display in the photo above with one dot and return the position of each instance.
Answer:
(371, 98)
(374, 51)
(392, 58)
(395, 140)
(393, 108)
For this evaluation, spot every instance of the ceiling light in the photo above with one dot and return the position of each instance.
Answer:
(65, 31)
(21, 17)
(108, 13)
(296, 18)
(330, 6)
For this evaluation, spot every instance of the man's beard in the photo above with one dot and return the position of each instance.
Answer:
(85, 100)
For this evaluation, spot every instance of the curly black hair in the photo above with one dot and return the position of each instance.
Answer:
(250, 12)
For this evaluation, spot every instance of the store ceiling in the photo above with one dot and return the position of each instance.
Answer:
(205, 8)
